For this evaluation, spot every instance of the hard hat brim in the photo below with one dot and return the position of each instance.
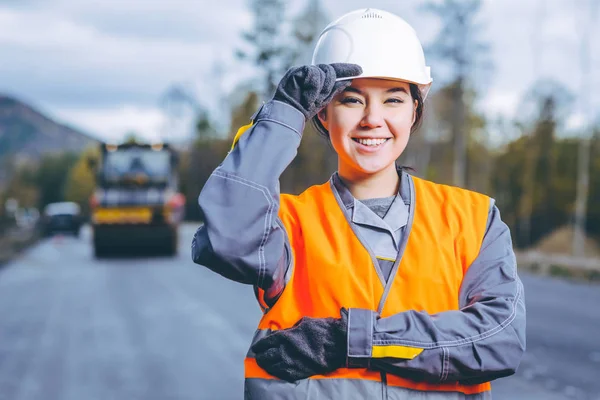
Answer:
(387, 78)
(423, 86)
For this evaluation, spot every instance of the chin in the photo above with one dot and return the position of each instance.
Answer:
(372, 168)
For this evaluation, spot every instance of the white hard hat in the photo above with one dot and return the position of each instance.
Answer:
(383, 44)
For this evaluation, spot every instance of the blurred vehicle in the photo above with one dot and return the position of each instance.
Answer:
(136, 204)
(62, 217)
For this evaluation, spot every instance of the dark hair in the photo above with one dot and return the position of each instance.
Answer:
(415, 93)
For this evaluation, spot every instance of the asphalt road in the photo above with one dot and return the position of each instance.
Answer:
(74, 328)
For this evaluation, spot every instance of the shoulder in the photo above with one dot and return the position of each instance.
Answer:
(450, 194)
(313, 196)
(464, 211)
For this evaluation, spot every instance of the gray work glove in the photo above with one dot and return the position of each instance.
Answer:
(313, 346)
(309, 88)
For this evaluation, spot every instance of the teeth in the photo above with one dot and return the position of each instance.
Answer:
(371, 142)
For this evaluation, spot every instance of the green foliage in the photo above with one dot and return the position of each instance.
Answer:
(314, 163)
(532, 178)
(242, 114)
(439, 123)
(36, 185)
(204, 128)
(52, 176)
(195, 168)
(23, 187)
(81, 182)
(593, 221)
(551, 194)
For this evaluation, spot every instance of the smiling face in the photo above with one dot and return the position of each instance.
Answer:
(369, 124)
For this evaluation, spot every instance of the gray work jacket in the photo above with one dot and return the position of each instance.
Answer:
(243, 239)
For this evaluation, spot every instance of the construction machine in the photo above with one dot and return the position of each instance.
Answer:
(136, 204)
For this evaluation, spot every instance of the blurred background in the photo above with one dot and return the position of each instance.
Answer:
(87, 88)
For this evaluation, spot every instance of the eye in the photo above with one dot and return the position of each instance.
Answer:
(350, 100)
(394, 100)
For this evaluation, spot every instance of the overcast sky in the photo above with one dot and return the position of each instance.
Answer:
(102, 66)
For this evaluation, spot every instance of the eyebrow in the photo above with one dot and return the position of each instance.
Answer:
(390, 90)
(397, 89)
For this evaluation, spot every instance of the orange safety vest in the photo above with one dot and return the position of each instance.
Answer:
(332, 269)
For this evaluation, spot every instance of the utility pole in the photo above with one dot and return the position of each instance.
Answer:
(583, 159)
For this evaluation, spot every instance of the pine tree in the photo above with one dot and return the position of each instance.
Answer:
(307, 27)
(267, 48)
(458, 46)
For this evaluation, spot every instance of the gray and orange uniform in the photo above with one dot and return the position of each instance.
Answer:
(436, 309)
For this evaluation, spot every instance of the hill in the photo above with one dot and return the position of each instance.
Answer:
(26, 134)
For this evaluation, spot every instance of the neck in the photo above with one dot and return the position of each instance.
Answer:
(369, 186)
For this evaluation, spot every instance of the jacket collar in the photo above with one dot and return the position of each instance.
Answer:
(359, 213)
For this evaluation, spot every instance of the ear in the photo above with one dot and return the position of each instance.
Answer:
(322, 115)
(414, 118)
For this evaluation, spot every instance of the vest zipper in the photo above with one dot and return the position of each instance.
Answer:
(384, 386)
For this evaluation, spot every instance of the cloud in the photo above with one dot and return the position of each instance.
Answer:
(86, 60)
(114, 123)
(502, 103)
(110, 61)
(78, 64)
(535, 41)
(178, 20)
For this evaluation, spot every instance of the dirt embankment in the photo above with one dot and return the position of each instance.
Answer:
(552, 255)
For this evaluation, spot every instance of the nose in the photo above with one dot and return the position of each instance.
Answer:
(372, 118)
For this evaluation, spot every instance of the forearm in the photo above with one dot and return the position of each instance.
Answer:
(481, 341)
(478, 344)
(242, 237)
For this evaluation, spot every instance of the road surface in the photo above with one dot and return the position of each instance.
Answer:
(159, 328)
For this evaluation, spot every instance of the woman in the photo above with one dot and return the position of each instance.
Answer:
(376, 284)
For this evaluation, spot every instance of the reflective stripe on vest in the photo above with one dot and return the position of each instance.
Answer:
(333, 269)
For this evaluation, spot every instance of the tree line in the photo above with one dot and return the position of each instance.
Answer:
(528, 164)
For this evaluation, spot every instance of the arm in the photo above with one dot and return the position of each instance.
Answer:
(242, 237)
(482, 341)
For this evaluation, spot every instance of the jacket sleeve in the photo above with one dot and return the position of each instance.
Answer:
(242, 237)
(482, 341)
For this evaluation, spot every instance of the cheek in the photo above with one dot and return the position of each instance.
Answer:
(342, 122)
(400, 126)
(401, 123)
